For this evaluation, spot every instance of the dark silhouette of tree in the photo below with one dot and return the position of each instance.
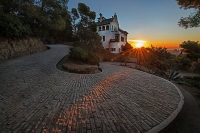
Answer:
(41, 18)
(83, 23)
(192, 49)
(193, 20)
(127, 47)
(88, 41)
(158, 57)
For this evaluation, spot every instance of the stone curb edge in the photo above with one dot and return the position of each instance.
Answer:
(169, 119)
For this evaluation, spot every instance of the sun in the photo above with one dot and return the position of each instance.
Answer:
(139, 44)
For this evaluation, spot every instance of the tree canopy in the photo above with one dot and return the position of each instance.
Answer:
(42, 18)
(83, 23)
(193, 20)
(84, 27)
(88, 46)
(192, 49)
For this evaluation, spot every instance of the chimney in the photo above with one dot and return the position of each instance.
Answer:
(115, 15)
(101, 17)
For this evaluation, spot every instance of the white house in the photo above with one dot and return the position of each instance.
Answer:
(112, 36)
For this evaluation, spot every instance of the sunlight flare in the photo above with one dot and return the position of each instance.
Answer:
(138, 43)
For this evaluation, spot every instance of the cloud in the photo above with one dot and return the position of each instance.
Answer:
(137, 41)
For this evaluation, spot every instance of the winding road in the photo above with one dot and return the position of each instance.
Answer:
(37, 97)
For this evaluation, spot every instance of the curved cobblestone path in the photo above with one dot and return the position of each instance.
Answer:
(36, 97)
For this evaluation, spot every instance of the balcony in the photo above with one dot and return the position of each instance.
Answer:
(114, 40)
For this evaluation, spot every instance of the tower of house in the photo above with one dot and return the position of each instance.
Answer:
(113, 37)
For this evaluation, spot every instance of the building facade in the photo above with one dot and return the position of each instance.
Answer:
(112, 36)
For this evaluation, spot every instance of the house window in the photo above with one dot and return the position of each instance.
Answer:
(116, 37)
(122, 39)
(103, 37)
(99, 28)
(113, 49)
(107, 27)
(103, 28)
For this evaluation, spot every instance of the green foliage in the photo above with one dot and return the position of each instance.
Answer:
(190, 81)
(93, 59)
(12, 26)
(79, 54)
(126, 54)
(192, 49)
(85, 13)
(84, 32)
(196, 67)
(41, 18)
(193, 20)
(173, 74)
(185, 61)
(127, 47)
(158, 57)
(84, 27)
(93, 26)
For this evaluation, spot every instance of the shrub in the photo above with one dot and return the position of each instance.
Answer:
(184, 62)
(190, 81)
(78, 53)
(93, 59)
(12, 26)
(77, 44)
(195, 67)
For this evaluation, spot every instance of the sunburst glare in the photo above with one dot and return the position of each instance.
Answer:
(138, 43)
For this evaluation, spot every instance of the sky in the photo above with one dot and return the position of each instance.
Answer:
(153, 21)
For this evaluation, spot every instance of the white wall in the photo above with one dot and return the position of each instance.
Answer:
(109, 34)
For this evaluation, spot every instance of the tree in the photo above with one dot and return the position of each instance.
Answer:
(193, 20)
(183, 62)
(192, 49)
(158, 57)
(127, 47)
(84, 31)
(83, 21)
(40, 18)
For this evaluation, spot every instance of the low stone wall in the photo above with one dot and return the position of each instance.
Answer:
(81, 69)
(10, 48)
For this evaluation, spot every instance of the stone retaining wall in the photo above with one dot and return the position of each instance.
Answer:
(10, 48)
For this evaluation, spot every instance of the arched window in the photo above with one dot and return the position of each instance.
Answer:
(99, 28)
(107, 27)
(103, 28)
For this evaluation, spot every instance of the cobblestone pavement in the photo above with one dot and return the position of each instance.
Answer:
(36, 97)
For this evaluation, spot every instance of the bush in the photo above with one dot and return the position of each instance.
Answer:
(184, 62)
(12, 26)
(191, 81)
(77, 44)
(93, 59)
(195, 67)
(78, 53)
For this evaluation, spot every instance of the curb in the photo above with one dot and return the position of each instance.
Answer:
(169, 119)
